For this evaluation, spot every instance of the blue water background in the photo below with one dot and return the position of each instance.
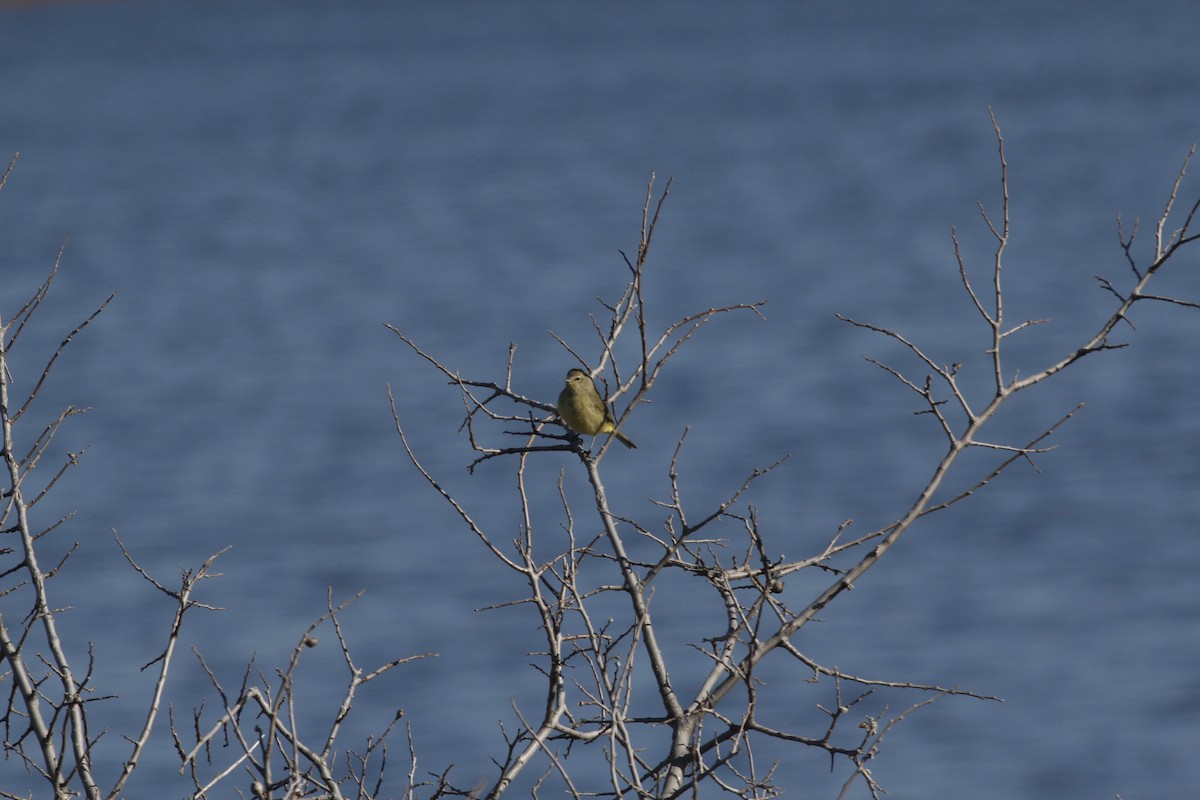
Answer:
(266, 184)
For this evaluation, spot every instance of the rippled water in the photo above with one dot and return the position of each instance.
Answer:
(265, 185)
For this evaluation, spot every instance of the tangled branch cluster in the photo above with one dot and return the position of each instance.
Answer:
(620, 713)
(50, 724)
(595, 667)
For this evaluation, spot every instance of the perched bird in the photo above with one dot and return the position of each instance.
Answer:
(584, 411)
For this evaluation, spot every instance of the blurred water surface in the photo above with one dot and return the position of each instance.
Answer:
(264, 185)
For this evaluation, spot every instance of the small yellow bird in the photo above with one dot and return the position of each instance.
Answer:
(584, 411)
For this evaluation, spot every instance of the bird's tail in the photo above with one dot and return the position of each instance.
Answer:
(625, 440)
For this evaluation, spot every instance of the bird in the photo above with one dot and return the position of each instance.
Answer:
(584, 411)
